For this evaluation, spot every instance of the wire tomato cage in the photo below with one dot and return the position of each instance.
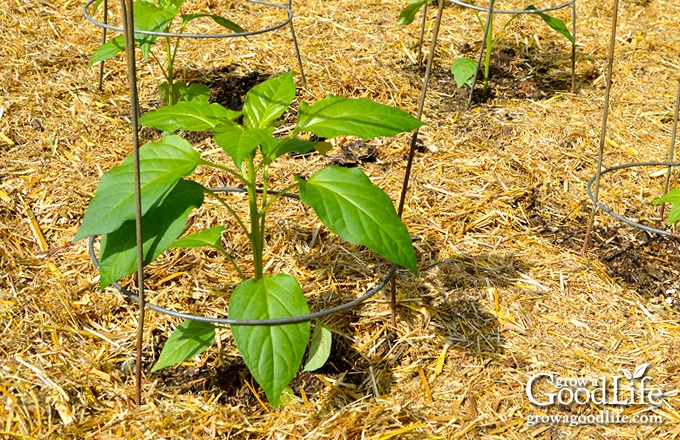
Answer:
(228, 321)
(593, 187)
(103, 22)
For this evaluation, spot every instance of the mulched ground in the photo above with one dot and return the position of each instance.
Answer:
(497, 208)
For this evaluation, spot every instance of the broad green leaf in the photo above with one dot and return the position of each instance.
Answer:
(108, 50)
(189, 339)
(239, 143)
(161, 225)
(320, 348)
(162, 165)
(554, 23)
(408, 14)
(351, 206)
(673, 197)
(195, 92)
(207, 237)
(188, 115)
(186, 18)
(151, 17)
(267, 101)
(278, 147)
(336, 116)
(273, 354)
(463, 70)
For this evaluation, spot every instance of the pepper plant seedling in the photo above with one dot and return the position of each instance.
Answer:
(464, 68)
(158, 16)
(344, 199)
(673, 196)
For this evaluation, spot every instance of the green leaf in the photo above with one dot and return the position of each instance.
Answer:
(320, 348)
(673, 197)
(278, 147)
(408, 14)
(186, 18)
(239, 142)
(196, 92)
(96, 4)
(351, 206)
(554, 23)
(267, 101)
(162, 165)
(189, 339)
(207, 237)
(273, 354)
(188, 115)
(161, 225)
(108, 50)
(170, 95)
(463, 70)
(151, 17)
(336, 116)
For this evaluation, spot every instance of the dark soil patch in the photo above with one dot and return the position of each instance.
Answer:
(644, 262)
(515, 73)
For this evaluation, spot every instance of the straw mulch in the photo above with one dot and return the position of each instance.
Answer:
(497, 207)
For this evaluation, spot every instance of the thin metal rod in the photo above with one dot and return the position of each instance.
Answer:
(603, 132)
(573, 48)
(422, 34)
(671, 150)
(229, 321)
(414, 141)
(490, 13)
(101, 65)
(297, 55)
(128, 20)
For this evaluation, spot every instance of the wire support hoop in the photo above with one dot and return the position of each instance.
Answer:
(511, 11)
(285, 8)
(229, 321)
(619, 217)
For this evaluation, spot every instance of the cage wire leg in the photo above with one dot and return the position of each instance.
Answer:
(573, 47)
(101, 65)
(603, 132)
(481, 53)
(422, 33)
(671, 151)
(297, 47)
(412, 146)
(129, 32)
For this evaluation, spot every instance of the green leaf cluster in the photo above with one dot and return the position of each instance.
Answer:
(345, 200)
(158, 16)
(463, 69)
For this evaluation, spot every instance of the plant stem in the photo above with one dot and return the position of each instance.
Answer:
(231, 211)
(170, 71)
(277, 196)
(231, 171)
(256, 232)
(489, 46)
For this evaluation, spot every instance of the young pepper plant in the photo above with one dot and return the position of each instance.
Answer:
(344, 199)
(464, 69)
(158, 16)
(673, 197)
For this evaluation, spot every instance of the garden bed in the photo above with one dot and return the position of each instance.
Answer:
(497, 208)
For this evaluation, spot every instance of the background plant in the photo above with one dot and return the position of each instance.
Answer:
(158, 16)
(673, 197)
(344, 199)
(464, 69)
